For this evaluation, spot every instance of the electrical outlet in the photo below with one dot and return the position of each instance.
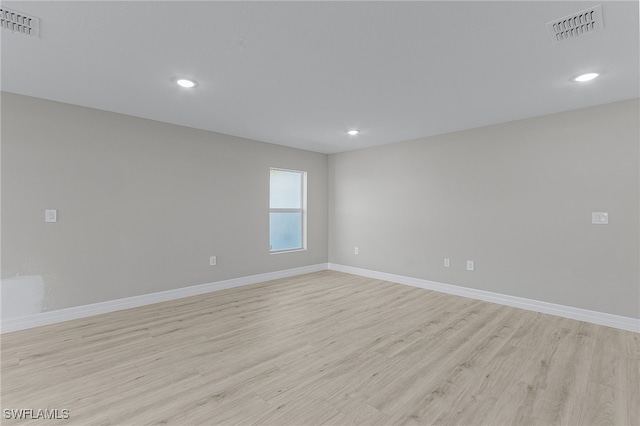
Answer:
(50, 215)
(470, 265)
(447, 263)
(213, 261)
(356, 251)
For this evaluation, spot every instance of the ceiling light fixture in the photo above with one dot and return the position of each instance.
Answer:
(185, 83)
(353, 132)
(586, 77)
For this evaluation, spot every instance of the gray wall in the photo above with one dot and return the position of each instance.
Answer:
(516, 198)
(141, 204)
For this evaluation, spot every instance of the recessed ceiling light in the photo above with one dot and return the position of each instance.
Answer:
(353, 132)
(586, 77)
(185, 83)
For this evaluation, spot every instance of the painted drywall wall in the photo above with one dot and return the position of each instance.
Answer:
(515, 198)
(141, 204)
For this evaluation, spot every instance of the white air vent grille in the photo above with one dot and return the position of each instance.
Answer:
(19, 22)
(576, 25)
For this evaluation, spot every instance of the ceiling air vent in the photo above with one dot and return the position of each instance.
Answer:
(576, 25)
(19, 22)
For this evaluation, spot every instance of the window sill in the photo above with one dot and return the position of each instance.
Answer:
(287, 251)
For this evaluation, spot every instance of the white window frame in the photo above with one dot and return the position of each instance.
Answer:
(302, 209)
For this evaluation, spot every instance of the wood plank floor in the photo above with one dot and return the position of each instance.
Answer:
(325, 348)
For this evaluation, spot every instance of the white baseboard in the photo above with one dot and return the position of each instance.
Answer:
(52, 317)
(600, 318)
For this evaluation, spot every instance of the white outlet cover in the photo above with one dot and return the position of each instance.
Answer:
(470, 265)
(51, 215)
(213, 261)
(600, 218)
(447, 263)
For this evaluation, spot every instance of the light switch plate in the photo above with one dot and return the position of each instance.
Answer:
(50, 215)
(600, 218)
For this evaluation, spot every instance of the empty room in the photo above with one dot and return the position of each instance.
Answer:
(320, 213)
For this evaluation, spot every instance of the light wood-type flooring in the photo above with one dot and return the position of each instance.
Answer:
(325, 348)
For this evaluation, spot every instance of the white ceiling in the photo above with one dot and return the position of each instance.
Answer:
(303, 73)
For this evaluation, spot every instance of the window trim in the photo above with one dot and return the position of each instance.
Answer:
(302, 209)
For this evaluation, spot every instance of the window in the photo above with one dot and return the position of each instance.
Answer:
(287, 210)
